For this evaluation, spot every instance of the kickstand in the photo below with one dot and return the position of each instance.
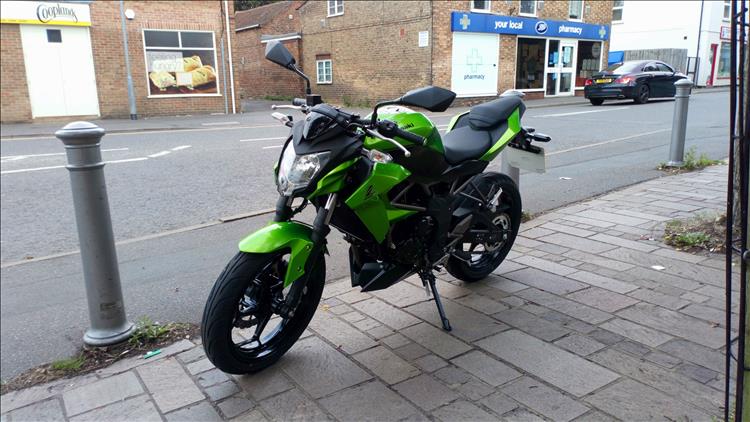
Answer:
(428, 278)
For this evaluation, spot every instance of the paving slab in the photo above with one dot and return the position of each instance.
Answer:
(426, 392)
(603, 282)
(486, 368)
(658, 298)
(201, 412)
(221, 391)
(481, 303)
(235, 406)
(140, 408)
(675, 323)
(545, 265)
(560, 368)
(695, 353)
(629, 400)
(545, 400)
(436, 340)
(48, 410)
(386, 313)
(293, 406)
(575, 242)
(636, 332)
(341, 334)
(545, 281)
(462, 410)
(430, 363)
(467, 324)
(605, 300)
(386, 365)
(372, 401)
(264, 384)
(402, 294)
(565, 306)
(311, 357)
(169, 384)
(579, 344)
(532, 324)
(499, 403)
(101, 393)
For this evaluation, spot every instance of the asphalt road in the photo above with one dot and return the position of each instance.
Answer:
(225, 170)
(166, 180)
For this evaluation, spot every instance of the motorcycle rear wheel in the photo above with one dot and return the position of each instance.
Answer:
(507, 216)
(219, 327)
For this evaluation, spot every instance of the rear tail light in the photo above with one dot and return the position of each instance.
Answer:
(625, 80)
(589, 82)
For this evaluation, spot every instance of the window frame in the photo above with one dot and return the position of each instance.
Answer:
(180, 47)
(317, 71)
(533, 14)
(622, 12)
(727, 7)
(580, 17)
(336, 4)
(488, 9)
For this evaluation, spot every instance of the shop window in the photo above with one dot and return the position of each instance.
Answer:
(727, 9)
(324, 71)
(335, 7)
(575, 10)
(724, 67)
(180, 63)
(617, 7)
(54, 35)
(530, 63)
(480, 5)
(588, 62)
(528, 8)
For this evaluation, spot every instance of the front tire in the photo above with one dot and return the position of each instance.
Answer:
(596, 101)
(507, 216)
(219, 325)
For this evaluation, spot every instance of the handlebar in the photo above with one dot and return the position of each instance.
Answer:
(391, 129)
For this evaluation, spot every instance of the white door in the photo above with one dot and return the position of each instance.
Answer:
(560, 68)
(59, 70)
(474, 64)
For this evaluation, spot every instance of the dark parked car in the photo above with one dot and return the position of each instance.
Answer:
(638, 80)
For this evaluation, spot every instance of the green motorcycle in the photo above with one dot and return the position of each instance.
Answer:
(407, 202)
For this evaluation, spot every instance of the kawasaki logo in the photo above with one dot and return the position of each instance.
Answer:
(370, 192)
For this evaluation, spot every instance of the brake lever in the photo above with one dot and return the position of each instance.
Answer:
(292, 107)
(376, 134)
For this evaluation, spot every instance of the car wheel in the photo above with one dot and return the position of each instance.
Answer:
(596, 101)
(642, 95)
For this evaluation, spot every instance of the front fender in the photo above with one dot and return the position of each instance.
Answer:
(293, 236)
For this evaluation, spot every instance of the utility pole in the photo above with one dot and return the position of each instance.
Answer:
(131, 92)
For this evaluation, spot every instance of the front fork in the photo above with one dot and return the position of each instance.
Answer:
(320, 230)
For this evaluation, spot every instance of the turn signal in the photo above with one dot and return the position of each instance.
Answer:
(589, 82)
(625, 80)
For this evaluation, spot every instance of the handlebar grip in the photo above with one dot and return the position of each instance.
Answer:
(299, 101)
(410, 136)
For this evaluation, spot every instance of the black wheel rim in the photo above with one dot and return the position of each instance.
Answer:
(644, 93)
(477, 256)
(256, 328)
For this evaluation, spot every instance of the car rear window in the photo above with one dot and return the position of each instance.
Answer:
(626, 67)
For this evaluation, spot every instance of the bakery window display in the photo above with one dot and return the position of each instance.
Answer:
(180, 62)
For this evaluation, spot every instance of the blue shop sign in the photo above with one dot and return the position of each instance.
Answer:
(515, 25)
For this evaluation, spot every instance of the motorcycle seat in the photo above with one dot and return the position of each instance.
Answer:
(475, 131)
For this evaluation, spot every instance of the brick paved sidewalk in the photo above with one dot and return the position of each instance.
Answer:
(580, 323)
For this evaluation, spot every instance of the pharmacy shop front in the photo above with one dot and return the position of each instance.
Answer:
(541, 57)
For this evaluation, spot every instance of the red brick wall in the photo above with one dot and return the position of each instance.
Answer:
(14, 94)
(106, 38)
(258, 77)
(373, 48)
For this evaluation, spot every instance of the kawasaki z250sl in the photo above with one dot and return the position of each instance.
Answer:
(407, 200)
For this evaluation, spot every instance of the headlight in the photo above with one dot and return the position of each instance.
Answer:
(296, 171)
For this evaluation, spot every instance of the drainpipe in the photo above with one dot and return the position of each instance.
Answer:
(698, 48)
(229, 47)
(131, 93)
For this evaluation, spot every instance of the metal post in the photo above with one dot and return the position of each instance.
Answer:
(100, 271)
(513, 172)
(131, 91)
(679, 122)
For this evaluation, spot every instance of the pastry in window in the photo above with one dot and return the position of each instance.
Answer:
(203, 75)
(191, 63)
(162, 80)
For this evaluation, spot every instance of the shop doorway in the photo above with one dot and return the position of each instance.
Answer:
(560, 68)
(59, 70)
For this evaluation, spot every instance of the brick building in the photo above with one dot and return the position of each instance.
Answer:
(359, 51)
(67, 58)
(258, 77)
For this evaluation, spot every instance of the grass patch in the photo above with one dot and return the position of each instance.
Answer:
(691, 162)
(526, 216)
(278, 97)
(704, 232)
(148, 336)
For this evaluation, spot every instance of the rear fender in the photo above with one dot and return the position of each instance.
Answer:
(289, 236)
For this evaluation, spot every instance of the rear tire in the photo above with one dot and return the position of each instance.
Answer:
(221, 308)
(596, 101)
(490, 260)
(641, 97)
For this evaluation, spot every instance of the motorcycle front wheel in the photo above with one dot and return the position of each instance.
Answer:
(241, 331)
(472, 261)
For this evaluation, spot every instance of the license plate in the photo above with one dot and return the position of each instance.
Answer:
(603, 81)
(526, 160)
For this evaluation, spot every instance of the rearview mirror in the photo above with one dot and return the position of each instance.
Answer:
(432, 98)
(277, 53)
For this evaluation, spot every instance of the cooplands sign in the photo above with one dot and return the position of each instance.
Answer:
(514, 25)
(45, 13)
